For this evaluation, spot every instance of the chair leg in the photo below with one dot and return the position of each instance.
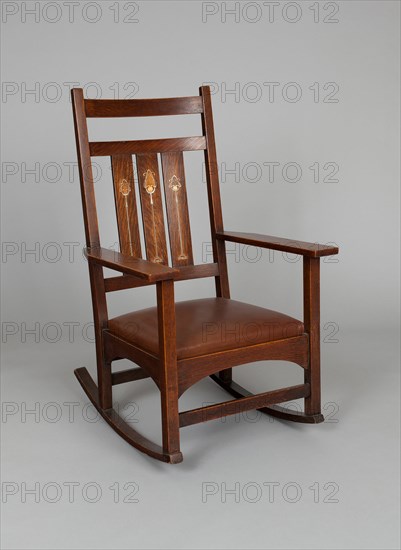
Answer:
(226, 375)
(169, 370)
(100, 318)
(104, 384)
(312, 377)
(171, 422)
(312, 327)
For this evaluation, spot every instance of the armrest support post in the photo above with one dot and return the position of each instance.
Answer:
(311, 283)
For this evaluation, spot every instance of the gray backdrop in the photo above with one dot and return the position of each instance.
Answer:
(306, 107)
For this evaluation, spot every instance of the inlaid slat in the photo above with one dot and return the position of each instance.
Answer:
(177, 208)
(126, 209)
(102, 108)
(152, 209)
(106, 148)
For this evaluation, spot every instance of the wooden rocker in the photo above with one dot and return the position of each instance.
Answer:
(178, 344)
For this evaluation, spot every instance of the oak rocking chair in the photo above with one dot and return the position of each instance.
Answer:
(168, 342)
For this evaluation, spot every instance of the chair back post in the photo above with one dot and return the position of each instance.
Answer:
(96, 276)
(213, 187)
(85, 169)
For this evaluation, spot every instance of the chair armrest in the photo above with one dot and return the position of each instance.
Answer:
(313, 250)
(143, 269)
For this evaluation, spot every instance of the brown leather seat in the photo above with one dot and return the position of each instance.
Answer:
(208, 325)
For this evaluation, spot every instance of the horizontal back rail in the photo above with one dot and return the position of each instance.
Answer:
(106, 108)
(165, 145)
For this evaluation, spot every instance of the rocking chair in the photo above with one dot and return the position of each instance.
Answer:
(179, 343)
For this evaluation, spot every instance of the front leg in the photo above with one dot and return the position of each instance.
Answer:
(168, 366)
(311, 270)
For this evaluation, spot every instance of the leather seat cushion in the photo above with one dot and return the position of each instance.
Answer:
(207, 325)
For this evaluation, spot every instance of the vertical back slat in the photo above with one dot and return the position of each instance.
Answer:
(177, 208)
(152, 209)
(126, 209)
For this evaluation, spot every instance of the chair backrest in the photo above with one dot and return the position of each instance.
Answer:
(150, 184)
